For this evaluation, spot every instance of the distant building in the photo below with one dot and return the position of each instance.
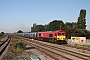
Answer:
(34, 25)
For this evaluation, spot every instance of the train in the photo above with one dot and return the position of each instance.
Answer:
(58, 36)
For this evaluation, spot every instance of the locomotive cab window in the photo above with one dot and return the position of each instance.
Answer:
(50, 35)
(59, 34)
(63, 34)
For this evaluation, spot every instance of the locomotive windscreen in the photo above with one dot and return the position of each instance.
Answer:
(61, 34)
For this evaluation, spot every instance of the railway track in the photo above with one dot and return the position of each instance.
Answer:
(67, 51)
(88, 49)
(46, 51)
(57, 53)
(3, 46)
(2, 42)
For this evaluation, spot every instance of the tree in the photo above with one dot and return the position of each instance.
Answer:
(39, 28)
(2, 33)
(81, 23)
(69, 24)
(20, 31)
(55, 25)
(52, 26)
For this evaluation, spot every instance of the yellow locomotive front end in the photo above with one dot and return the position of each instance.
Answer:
(61, 36)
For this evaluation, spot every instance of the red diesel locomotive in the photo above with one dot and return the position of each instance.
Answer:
(53, 36)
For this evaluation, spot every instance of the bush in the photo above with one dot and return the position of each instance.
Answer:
(19, 46)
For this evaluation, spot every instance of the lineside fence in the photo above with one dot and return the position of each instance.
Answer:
(87, 42)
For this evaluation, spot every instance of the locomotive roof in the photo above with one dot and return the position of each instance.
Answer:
(53, 31)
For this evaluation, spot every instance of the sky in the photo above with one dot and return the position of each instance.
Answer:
(22, 14)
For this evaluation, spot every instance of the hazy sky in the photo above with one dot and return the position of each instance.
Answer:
(21, 14)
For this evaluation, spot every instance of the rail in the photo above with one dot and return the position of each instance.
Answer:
(3, 46)
(55, 52)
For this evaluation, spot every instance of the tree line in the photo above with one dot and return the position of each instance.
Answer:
(71, 28)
